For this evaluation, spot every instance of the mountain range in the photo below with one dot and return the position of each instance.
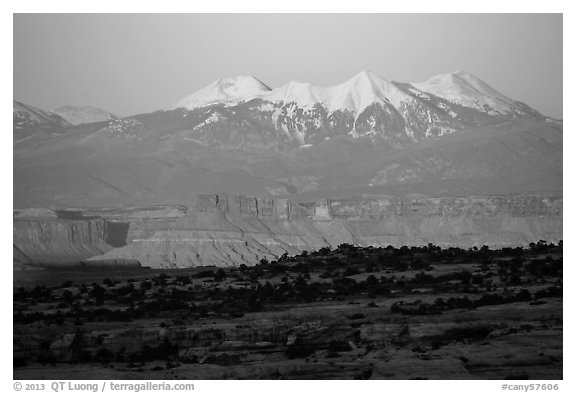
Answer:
(369, 140)
(359, 92)
(366, 135)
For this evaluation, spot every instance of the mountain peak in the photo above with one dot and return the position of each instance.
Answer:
(451, 77)
(305, 94)
(460, 73)
(241, 81)
(230, 90)
(463, 88)
(367, 77)
(365, 74)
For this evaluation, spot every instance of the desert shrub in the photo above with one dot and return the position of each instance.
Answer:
(97, 293)
(344, 286)
(485, 265)
(146, 285)
(19, 362)
(165, 351)
(370, 265)
(103, 355)
(350, 271)
(477, 279)
(523, 295)
(418, 264)
(490, 299)
(422, 278)
(299, 351)
(220, 275)
(339, 346)
(554, 291)
(277, 268)
(465, 277)
(392, 262)
(517, 377)
(512, 252)
(300, 268)
(208, 273)
(547, 267)
(183, 280)
(47, 357)
(461, 334)
(67, 284)
(161, 280)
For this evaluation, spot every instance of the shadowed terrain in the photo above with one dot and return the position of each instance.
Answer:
(347, 313)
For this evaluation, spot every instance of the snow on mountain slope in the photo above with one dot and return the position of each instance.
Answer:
(301, 93)
(365, 106)
(230, 91)
(360, 92)
(243, 113)
(355, 94)
(464, 89)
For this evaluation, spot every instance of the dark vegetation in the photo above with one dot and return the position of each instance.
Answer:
(451, 279)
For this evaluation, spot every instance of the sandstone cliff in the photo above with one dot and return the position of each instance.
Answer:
(228, 230)
(53, 241)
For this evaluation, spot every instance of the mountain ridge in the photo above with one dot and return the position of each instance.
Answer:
(230, 90)
(407, 141)
(357, 93)
(76, 115)
(27, 116)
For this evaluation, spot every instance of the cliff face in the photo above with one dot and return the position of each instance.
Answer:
(228, 230)
(231, 229)
(54, 241)
(68, 237)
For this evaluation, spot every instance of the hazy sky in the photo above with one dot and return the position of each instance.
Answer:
(129, 64)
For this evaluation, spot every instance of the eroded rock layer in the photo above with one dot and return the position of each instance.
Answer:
(55, 241)
(228, 230)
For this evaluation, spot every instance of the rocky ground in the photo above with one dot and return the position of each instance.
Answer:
(346, 313)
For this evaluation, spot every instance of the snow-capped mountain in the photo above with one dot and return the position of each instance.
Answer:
(452, 135)
(229, 91)
(243, 113)
(464, 89)
(357, 93)
(83, 114)
(365, 106)
(25, 116)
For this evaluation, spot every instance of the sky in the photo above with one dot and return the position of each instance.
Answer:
(137, 63)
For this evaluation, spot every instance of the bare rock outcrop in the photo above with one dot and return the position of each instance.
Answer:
(47, 240)
(226, 230)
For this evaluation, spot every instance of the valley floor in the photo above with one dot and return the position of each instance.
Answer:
(349, 313)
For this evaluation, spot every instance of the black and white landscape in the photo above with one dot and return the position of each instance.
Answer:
(369, 229)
